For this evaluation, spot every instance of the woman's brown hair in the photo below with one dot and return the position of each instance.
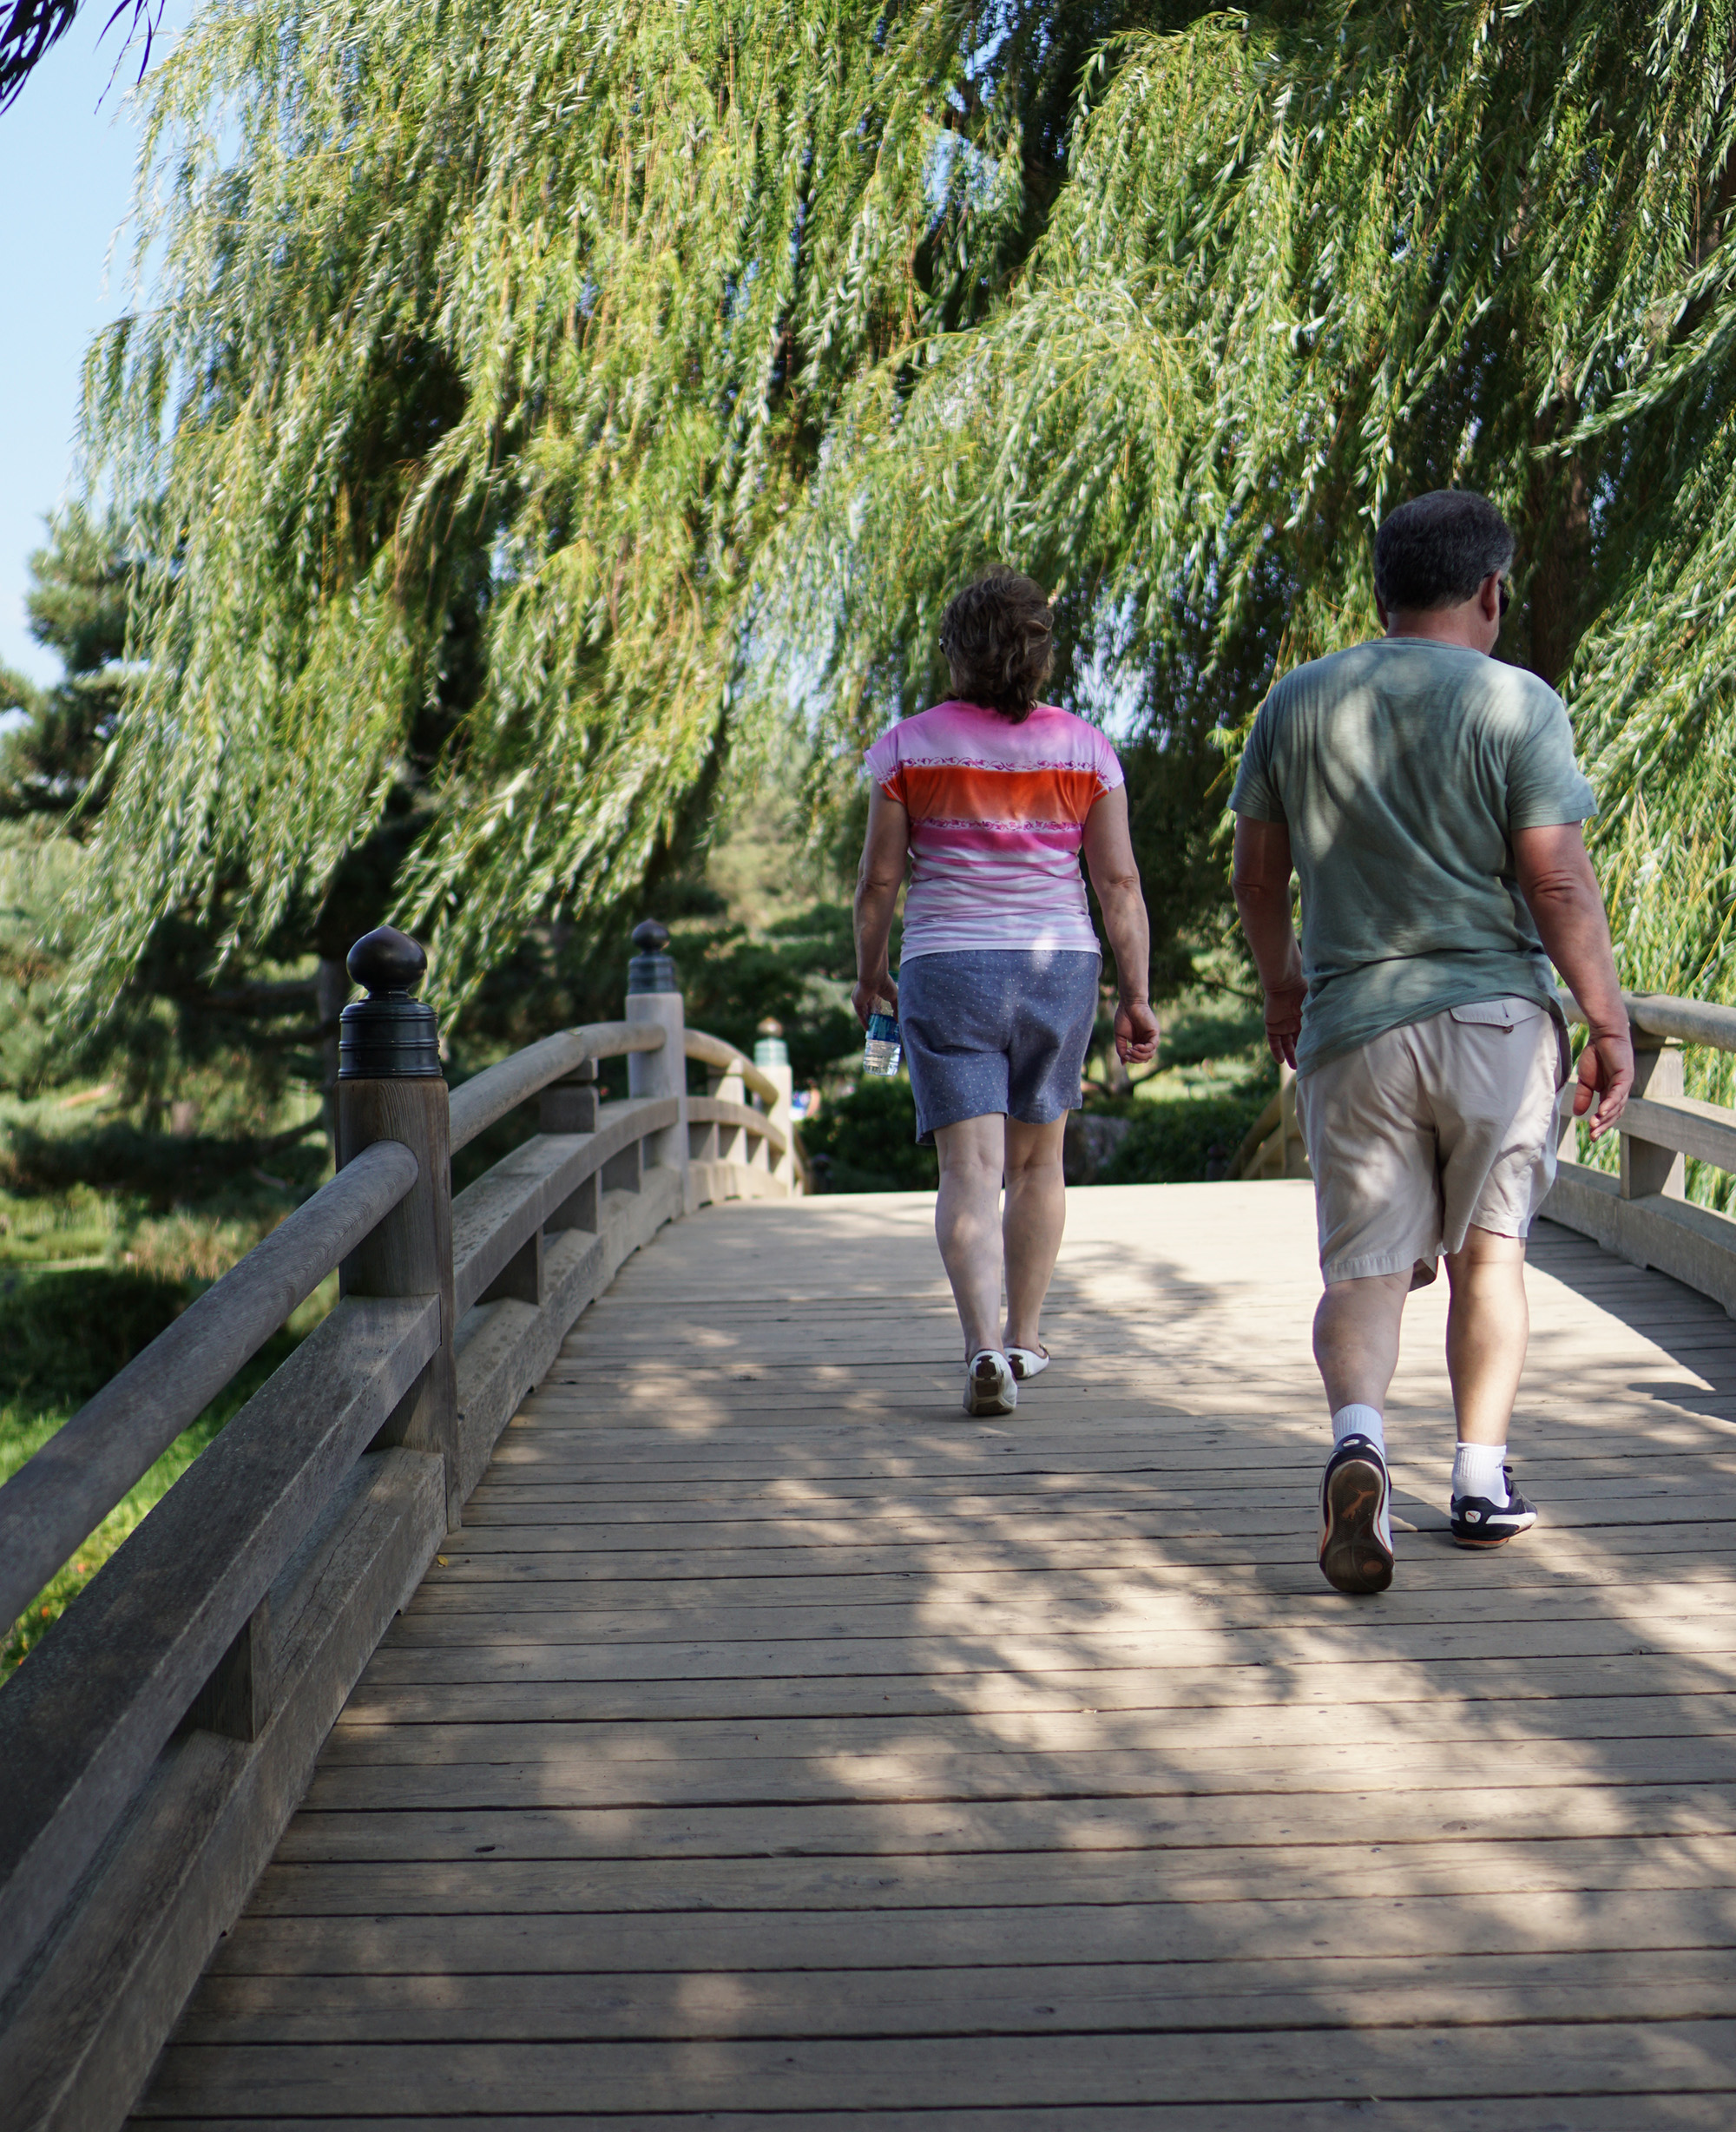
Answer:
(998, 637)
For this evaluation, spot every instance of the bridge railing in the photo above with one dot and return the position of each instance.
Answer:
(155, 1742)
(1641, 1212)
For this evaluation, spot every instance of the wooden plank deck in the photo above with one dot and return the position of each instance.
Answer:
(779, 1748)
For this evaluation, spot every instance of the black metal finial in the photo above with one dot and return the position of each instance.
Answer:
(651, 970)
(386, 960)
(388, 1036)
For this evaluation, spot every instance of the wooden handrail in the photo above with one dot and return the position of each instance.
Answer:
(718, 1110)
(58, 1499)
(1256, 1137)
(713, 1051)
(496, 1215)
(159, 1736)
(1642, 1213)
(477, 1103)
(92, 1708)
(1661, 1014)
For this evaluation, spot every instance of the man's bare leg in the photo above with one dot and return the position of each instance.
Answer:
(1355, 1338)
(1356, 1344)
(1489, 1328)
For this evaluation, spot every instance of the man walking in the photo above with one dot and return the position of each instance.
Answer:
(1427, 796)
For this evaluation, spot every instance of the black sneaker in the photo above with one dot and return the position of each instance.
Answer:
(1356, 1523)
(1479, 1523)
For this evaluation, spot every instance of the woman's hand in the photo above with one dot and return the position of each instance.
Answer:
(1136, 1032)
(868, 990)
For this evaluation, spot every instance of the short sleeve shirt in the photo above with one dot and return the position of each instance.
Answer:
(1403, 768)
(997, 817)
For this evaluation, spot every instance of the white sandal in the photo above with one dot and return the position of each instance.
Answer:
(989, 1387)
(1028, 1362)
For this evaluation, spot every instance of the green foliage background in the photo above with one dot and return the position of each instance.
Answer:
(530, 406)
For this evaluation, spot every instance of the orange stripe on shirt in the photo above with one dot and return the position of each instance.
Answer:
(965, 792)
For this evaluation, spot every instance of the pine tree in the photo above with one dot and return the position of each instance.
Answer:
(77, 604)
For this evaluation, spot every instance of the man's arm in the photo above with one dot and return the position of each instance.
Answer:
(1261, 876)
(1114, 875)
(881, 875)
(1554, 875)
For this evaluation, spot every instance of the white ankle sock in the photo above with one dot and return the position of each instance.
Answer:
(1477, 1471)
(1360, 1421)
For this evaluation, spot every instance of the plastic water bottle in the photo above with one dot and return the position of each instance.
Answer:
(881, 1053)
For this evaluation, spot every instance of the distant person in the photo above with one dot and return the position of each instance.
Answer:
(988, 800)
(1428, 799)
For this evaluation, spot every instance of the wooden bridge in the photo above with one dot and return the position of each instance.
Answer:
(611, 1685)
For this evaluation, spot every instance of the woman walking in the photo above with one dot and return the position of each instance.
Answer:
(988, 799)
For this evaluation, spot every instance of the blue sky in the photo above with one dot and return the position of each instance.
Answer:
(66, 173)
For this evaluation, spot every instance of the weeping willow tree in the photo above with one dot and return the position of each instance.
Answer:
(489, 349)
(529, 391)
(1311, 259)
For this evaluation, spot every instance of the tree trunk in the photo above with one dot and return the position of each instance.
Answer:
(1556, 543)
(331, 990)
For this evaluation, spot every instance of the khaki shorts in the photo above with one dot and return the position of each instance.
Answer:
(1428, 1130)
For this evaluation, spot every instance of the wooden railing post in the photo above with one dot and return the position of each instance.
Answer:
(772, 1056)
(652, 997)
(570, 1106)
(390, 1087)
(1647, 1167)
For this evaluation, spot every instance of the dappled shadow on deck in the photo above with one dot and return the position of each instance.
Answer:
(778, 1739)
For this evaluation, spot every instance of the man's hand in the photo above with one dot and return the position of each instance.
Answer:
(1136, 1032)
(872, 988)
(1284, 1019)
(1606, 1071)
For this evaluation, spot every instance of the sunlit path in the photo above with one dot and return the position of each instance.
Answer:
(778, 1746)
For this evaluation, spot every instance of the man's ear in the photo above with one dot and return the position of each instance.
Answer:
(1488, 596)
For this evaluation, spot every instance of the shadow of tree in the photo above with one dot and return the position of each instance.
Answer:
(778, 1740)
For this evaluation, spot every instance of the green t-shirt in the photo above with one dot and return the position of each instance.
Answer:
(1402, 768)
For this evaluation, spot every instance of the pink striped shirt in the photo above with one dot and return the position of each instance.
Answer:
(997, 817)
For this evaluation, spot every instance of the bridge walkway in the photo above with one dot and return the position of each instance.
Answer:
(777, 1747)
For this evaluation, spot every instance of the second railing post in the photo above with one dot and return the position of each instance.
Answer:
(390, 1087)
(652, 995)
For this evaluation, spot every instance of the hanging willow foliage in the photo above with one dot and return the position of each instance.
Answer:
(536, 381)
(1312, 260)
(490, 343)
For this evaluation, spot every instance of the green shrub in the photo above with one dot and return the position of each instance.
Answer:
(865, 1141)
(64, 1334)
(1191, 1139)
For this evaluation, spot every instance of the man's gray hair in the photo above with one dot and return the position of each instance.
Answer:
(1437, 549)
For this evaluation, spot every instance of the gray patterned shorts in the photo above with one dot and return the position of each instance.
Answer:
(989, 1030)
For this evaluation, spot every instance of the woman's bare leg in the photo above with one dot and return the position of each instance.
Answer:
(973, 1154)
(1031, 1227)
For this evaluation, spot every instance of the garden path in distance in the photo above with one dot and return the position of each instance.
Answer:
(776, 1747)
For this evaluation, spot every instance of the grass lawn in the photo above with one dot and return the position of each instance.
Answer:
(90, 1272)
